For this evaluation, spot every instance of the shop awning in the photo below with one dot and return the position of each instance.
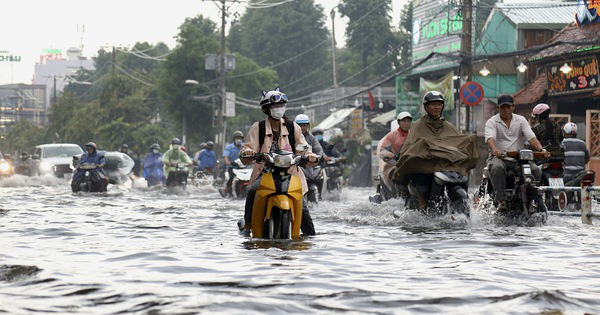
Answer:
(384, 118)
(533, 92)
(335, 118)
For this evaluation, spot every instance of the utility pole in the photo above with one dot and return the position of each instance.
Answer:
(335, 82)
(465, 46)
(54, 92)
(113, 60)
(220, 139)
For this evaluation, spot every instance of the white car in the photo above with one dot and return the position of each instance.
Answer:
(54, 159)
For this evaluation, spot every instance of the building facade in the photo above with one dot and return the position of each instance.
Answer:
(22, 102)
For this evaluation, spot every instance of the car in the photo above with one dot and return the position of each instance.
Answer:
(6, 167)
(54, 158)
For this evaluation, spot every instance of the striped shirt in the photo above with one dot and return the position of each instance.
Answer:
(576, 154)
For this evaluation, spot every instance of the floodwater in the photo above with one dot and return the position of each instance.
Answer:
(150, 252)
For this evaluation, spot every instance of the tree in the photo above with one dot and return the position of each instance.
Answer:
(290, 37)
(405, 34)
(197, 37)
(370, 35)
(22, 137)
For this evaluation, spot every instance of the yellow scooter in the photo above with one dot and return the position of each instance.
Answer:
(277, 209)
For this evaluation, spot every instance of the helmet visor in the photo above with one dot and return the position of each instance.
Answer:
(278, 98)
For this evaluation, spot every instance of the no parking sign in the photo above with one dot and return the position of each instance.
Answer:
(471, 93)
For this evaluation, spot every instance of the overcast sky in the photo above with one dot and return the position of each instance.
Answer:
(30, 26)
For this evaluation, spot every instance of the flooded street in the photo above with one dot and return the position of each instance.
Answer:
(148, 251)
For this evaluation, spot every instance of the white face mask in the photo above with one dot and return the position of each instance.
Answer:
(155, 151)
(277, 113)
(238, 142)
(176, 147)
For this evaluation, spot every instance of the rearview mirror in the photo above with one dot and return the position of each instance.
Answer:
(303, 147)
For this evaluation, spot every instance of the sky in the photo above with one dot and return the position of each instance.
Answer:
(31, 26)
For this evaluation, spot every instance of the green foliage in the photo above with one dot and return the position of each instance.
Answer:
(405, 34)
(276, 36)
(370, 37)
(22, 137)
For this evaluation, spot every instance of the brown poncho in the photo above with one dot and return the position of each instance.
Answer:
(435, 145)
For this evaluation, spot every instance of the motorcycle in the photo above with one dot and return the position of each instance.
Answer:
(333, 179)
(315, 177)
(575, 198)
(178, 177)
(552, 175)
(241, 179)
(448, 195)
(203, 177)
(24, 166)
(277, 209)
(385, 193)
(90, 181)
(523, 199)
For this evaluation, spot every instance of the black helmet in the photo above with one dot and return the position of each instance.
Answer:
(238, 134)
(272, 97)
(155, 146)
(433, 96)
(175, 141)
(124, 146)
(210, 144)
(90, 144)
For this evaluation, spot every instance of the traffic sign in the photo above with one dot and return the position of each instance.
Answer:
(471, 93)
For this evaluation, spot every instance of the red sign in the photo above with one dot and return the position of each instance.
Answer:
(471, 93)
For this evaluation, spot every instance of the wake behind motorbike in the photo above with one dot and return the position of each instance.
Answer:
(277, 208)
(448, 195)
(203, 177)
(523, 200)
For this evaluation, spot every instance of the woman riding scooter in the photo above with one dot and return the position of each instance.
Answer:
(277, 132)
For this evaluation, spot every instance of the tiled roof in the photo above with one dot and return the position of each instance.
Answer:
(533, 13)
(533, 92)
(571, 33)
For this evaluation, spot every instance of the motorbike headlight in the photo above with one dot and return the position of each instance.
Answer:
(283, 161)
(526, 155)
(46, 166)
(4, 166)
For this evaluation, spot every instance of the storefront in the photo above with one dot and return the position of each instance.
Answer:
(568, 80)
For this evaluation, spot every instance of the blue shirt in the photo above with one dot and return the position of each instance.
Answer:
(93, 158)
(208, 158)
(232, 152)
(153, 167)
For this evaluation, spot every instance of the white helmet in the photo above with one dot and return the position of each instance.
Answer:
(302, 119)
(403, 115)
(570, 129)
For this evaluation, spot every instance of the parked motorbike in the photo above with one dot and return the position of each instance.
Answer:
(277, 209)
(575, 198)
(178, 177)
(523, 199)
(448, 195)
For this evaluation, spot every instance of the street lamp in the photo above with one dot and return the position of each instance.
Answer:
(522, 67)
(565, 68)
(484, 71)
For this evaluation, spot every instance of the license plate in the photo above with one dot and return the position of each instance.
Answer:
(556, 182)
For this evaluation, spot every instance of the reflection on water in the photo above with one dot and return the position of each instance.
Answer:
(153, 251)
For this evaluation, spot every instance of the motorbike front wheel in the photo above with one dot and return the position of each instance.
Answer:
(280, 224)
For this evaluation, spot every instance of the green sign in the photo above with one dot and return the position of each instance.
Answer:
(406, 101)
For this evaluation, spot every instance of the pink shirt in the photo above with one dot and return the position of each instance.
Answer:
(252, 141)
(391, 143)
